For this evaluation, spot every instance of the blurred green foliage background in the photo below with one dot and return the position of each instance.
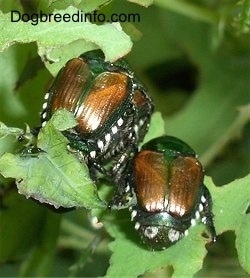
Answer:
(194, 57)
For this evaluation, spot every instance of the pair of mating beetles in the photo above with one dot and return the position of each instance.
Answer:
(163, 179)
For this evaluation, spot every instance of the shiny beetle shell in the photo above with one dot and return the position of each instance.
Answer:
(111, 106)
(166, 180)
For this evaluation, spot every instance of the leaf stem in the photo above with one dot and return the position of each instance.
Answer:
(74, 229)
(86, 254)
(232, 132)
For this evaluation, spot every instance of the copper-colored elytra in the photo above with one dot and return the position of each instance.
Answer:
(150, 179)
(187, 177)
(106, 95)
(68, 85)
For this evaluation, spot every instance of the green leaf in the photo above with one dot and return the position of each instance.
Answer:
(60, 5)
(21, 103)
(53, 176)
(229, 215)
(156, 128)
(221, 88)
(207, 117)
(230, 210)
(48, 35)
(17, 237)
(91, 5)
(62, 120)
(242, 20)
(144, 3)
(127, 248)
(65, 53)
(5, 131)
(243, 242)
(84, 5)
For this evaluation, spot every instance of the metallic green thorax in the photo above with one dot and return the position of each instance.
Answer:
(171, 147)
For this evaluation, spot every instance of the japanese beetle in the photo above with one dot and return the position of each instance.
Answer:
(111, 106)
(166, 180)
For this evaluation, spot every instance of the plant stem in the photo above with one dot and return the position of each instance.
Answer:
(232, 132)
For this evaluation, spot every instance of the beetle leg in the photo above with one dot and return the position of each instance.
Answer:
(120, 165)
(123, 198)
(95, 169)
(208, 216)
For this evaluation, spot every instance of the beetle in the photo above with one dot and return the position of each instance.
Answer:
(111, 106)
(165, 192)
